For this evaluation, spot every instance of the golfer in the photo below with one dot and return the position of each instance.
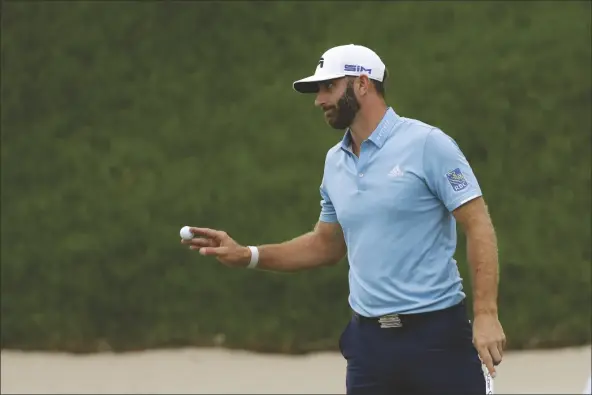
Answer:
(392, 192)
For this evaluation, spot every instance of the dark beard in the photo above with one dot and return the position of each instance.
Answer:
(346, 109)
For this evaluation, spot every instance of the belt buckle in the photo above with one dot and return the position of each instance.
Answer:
(390, 321)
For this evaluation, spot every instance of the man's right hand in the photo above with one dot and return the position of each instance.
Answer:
(218, 244)
(325, 245)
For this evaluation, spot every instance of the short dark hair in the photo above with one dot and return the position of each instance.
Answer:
(380, 85)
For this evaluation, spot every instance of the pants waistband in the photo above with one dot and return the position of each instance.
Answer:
(398, 320)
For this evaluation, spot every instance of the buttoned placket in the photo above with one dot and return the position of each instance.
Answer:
(360, 163)
(367, 147)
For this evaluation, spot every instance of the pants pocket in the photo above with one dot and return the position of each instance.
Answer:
(452, 331)
(343, 339)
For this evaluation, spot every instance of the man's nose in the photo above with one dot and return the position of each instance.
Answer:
(320, 99)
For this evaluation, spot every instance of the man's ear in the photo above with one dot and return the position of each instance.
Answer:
(363, 85)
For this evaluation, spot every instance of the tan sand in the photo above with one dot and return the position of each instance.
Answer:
(222, 371)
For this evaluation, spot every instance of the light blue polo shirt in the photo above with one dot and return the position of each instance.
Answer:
(395, 205)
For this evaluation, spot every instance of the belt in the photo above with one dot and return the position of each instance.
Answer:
(395, 320)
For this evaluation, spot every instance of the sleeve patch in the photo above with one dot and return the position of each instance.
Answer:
(457, 180)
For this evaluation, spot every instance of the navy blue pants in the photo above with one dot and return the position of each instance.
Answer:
(431, 353)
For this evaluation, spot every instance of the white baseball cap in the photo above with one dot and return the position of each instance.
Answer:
(341, 61)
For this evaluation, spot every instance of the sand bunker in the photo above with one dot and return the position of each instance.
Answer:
(222, 371)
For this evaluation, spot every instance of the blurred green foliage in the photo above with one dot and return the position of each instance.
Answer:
(123, 121)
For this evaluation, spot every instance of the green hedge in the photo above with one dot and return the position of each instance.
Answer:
(123, 121)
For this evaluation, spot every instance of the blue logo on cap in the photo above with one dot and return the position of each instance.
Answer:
(356, 68)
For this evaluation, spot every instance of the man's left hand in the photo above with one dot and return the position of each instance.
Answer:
(489, 340)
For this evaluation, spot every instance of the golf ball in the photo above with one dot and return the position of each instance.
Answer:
(186, 233)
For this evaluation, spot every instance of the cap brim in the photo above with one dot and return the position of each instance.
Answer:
(311, 84)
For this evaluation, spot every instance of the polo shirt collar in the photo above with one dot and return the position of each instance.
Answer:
(380, 135)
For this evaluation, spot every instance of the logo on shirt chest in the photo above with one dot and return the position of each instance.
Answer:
(395, 172)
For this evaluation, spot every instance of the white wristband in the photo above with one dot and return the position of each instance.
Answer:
(254, 257)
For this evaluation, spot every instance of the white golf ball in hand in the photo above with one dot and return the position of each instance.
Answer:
(186, 233)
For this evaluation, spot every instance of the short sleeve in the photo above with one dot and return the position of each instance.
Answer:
(447, 171)
(327, 210)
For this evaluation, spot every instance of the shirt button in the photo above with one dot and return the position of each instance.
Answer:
(361, 174)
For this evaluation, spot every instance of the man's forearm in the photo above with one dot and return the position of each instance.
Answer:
(303, 252)
(482, 255)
